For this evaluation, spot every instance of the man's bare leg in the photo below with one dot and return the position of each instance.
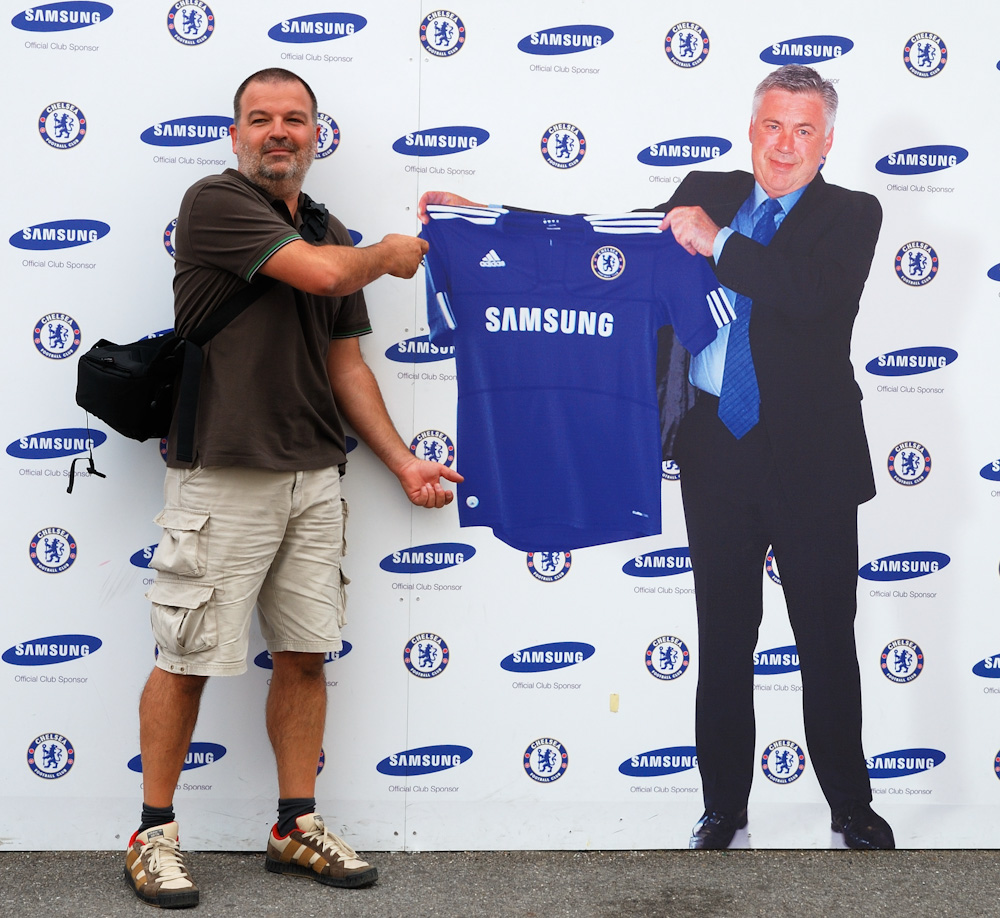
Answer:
(296, 717)
(168, 711)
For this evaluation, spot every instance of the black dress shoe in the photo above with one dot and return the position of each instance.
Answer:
(863, 828)
(715, 830)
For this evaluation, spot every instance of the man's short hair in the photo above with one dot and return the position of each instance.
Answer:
(272, 75)
(799, 78)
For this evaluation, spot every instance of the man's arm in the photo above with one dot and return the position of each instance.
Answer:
(338, 270)
(819, 261)
(360, 401)
(821, 269)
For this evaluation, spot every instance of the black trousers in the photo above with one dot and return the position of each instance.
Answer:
(735, 507)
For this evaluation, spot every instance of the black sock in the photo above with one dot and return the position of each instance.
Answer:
(290, 808)
(156, 816)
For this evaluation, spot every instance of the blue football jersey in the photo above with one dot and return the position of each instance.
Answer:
(554, 321)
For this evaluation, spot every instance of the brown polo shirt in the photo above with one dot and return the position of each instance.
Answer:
(265, 398)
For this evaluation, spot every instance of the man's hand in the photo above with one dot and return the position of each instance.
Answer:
(402, 254)
(692, 228)
(441, 197)
(421, 480)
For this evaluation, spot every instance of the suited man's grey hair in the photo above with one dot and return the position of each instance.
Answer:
(798, 78)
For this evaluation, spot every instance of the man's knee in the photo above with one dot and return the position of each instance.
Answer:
(163, 682)
(295, 665)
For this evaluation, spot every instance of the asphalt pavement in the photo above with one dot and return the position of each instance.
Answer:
(532, 884)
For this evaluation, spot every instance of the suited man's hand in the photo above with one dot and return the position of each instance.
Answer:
(692, 228)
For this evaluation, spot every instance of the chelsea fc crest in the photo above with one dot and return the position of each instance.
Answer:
(546, 760)
(686, 45)
(608, 263)
(783, 762)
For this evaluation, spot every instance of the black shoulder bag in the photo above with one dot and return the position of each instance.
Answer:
(136, 387)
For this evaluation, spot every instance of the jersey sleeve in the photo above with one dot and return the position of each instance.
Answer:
(441, 321)
(697, 304)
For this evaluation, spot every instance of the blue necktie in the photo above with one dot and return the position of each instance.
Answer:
(739, 401)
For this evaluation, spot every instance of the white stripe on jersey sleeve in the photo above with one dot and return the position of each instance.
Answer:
(480, 215)
(445, 307)
(720, 307)
(625, 224)
(626, 230)
(644, 216)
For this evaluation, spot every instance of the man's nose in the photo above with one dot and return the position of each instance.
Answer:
(786, 140)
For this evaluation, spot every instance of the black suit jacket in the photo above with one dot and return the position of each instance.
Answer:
(805, 286)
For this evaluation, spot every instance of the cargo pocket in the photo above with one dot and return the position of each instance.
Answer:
(344, 579)
(183, 616)
(183, 550)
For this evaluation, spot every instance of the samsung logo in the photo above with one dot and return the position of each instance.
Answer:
(54, 444)
(317, 27)
(777, 661)
(264, 660)
(903, 762)
(61, 17)
(422, 559)
(187, 132)
(544, 657)
(60, 648)
(917, 160)
(440, 141)
(991, 470)
(550, 321)
(905, 566)
(565, 39)
(683, 151)
(658, 762)
(198, 755)
(911, 361)
(809, 50)
(661, 563)
(59, 234)
(419, 350)
(988, 668)
(424, 760)
(142, 557)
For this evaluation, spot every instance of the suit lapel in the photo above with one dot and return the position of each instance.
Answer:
(724, 210)
(805, 205)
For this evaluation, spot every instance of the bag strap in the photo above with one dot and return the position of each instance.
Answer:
(186, 406)
(315, 218)
(229, 310)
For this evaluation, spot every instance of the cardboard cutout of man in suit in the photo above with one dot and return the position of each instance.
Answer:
(773, 449)
(792, 473)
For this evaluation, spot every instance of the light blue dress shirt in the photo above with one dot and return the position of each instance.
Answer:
(708, 366)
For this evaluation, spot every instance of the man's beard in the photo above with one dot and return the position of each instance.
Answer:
(280, 178)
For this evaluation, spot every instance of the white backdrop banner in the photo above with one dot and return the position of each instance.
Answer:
(488, 698)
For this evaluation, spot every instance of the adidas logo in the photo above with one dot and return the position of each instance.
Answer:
(492, 260)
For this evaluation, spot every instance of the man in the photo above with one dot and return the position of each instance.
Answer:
(774, 450)
(778, 454)
(257, 516)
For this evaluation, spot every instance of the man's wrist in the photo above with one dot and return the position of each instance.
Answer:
(720, 241)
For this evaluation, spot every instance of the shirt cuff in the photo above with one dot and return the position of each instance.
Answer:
(720, 241)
